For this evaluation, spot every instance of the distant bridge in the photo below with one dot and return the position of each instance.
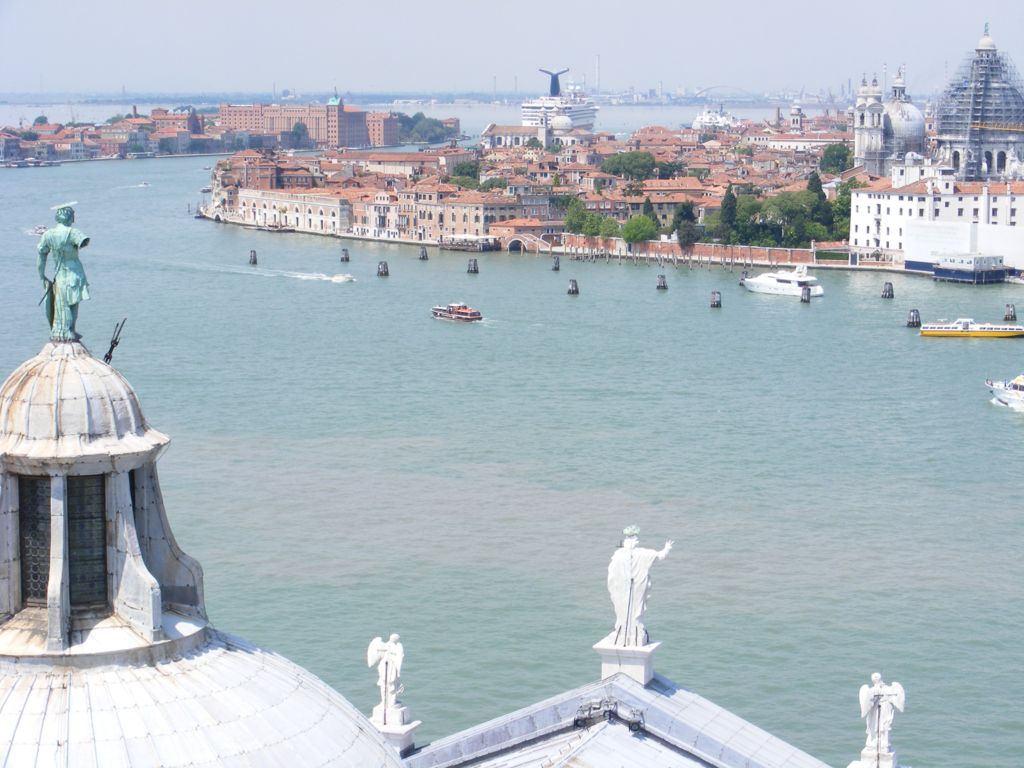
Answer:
(731, 90)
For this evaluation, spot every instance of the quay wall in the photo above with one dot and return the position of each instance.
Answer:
(581, 246)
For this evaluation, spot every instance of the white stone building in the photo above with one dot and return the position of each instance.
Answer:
(922, 211)
(318, 211)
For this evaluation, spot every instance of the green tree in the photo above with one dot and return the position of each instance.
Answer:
(638, 229)
(683, 212)
(560, 203)
(494, 183)
(814, 185)
(841, 209)
(41, 120)
(631, 165)
(534, 143)
(835, 159)
(668, 170)
(610, 228)
(470, 168)
(727, 215)
(592, 225)
(466, 182)
(29, 135)
(575, 216)
(419, 128)
(687, 234)
(633, 189)
(648, 211)
(301, 134)
(822, 212)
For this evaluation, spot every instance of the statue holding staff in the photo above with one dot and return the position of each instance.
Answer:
(878, 705)
(69, 286)
(629, 584)
(388, 657)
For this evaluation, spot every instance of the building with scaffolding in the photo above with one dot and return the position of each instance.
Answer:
(980, 117)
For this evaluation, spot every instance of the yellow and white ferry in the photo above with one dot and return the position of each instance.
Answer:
(966, 327)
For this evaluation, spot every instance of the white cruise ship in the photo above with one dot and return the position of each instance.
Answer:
(714, 120)
(574, 104)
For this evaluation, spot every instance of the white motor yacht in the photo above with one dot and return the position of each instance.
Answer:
(1009, 393)
(784, 283)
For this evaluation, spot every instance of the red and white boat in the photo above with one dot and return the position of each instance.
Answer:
(457, 311)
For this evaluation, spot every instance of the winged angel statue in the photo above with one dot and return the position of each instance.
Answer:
(878, 705)
(387, 656)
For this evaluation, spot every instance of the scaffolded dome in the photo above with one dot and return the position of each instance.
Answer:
(980, 117)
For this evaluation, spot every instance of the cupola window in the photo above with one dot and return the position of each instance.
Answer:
(34, 525)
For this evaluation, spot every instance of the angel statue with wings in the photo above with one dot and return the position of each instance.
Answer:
(387, 656)
(878, 705)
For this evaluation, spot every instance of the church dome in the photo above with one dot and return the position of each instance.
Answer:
(985, 94)
(905, 125)
(561, 124)
(65, 405)
(225, 703)
(106, 654)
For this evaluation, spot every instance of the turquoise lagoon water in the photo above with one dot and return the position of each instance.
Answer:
(843, 496)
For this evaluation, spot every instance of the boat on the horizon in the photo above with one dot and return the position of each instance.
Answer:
(783, 283)
(714, 120)
(965, 327)
(457, 311)
(1010, 393)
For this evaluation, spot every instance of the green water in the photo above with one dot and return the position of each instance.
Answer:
(843, 496)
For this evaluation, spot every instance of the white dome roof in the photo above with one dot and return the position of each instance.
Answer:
(64, 405)
(561, 123)
(227, 703)
(906, 120)
(986, 43)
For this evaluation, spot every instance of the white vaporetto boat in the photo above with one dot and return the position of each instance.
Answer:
(1009, 393)
(784, 283)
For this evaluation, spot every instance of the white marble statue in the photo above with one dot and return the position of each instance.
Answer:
(388, 658)
(629, 584)
(878, 704)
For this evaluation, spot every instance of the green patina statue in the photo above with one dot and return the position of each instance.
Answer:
(69, 285)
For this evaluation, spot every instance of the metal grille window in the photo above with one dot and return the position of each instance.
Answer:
(87, 540)
(34, 524)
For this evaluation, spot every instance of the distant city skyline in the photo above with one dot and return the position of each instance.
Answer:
(314, 46)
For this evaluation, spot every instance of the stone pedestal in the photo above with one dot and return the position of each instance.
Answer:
(395, 726)
(872, 758)
(636, 661)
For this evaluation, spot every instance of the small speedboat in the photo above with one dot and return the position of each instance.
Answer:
(1009, 393)
(783, 283)
(1016, 279)
(457, 311)
(965, 327)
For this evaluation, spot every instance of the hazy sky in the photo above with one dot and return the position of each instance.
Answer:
(315, 45)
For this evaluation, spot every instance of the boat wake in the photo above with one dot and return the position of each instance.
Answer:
(1012, 406)
(263, 272)
(340, 278)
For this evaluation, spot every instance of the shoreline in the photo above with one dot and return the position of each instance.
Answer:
(573, 255)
